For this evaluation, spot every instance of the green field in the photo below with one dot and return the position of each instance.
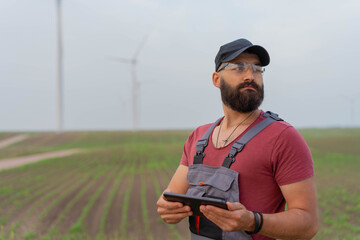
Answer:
(110, 191)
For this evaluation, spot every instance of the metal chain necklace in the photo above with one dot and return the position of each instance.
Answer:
(227, 139)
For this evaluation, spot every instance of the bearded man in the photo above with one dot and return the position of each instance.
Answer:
(252, 159)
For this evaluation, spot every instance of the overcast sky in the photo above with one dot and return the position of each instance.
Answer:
(312, 80)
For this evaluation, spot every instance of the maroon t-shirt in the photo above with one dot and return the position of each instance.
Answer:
(277, 156)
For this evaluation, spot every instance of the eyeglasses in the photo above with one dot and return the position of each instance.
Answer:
(242, 67)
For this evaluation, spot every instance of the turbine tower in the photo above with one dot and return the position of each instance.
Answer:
(59, 69)
(351, 100)
(135, 84)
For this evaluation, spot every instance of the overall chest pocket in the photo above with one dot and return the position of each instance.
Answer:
(212, 182)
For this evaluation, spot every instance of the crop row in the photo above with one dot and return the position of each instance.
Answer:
(53, 199)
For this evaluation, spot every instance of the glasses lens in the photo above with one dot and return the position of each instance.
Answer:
(257, 69)
(241, 67)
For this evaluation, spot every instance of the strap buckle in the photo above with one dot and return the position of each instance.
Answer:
(273, 116)
(236, 148)
(229, 159)
(201, 144)
(198, 158)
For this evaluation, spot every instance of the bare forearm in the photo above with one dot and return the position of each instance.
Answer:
(291, 224)
(178, 183)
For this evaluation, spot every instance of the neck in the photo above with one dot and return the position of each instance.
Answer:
(233, 118)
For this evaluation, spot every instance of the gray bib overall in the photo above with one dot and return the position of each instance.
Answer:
(219, 182)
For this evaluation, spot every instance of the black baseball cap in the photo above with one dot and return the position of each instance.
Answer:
(233, 49)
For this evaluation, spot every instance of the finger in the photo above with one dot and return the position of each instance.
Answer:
(184, 209)
(227, 220)
(216, 220)
(167, 204)
(216, 210)
(232, 206)
(219, 216)
(173, 218)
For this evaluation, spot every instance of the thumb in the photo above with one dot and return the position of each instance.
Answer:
(166, 190)
(232, 206)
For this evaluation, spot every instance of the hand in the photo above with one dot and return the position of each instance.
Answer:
(172, 212)
(237, 218)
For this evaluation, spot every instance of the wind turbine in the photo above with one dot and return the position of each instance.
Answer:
(135, 84)
(59, 68)
(351, 100)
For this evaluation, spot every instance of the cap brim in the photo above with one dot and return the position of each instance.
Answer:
(256, 49)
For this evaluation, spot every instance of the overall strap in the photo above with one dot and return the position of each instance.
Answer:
(202, 143)
(239, 144)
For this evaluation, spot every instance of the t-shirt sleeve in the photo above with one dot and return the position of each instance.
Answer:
(185, 158)
(291, 158)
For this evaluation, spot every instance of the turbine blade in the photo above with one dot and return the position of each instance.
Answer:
(118, 59)
(140, 46)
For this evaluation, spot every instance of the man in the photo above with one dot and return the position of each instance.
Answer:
(253, 160)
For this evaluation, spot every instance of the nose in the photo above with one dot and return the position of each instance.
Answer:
(249, 74)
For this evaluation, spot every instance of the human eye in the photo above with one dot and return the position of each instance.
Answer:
(241, 67)
(258, 69)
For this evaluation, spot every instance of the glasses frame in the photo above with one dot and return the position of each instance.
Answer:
(247, 65)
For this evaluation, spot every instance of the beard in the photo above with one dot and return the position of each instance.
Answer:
(242, 101)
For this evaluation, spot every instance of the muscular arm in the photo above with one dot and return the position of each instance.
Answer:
(300, 221)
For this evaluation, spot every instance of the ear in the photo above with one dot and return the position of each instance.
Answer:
(216, 79)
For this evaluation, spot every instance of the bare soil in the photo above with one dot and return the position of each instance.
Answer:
(113, 220)
(12, 139)
(50, 139)
(135, 224)
(19, 161)
(30, 221)
(76, 210)
(163, 179)
(93, 219)
(12, 180)
(46, 180)
(159, 229)
(50, 219)
(7, 135)
(162, 182)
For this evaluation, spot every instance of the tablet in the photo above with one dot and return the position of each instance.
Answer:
(195, 202)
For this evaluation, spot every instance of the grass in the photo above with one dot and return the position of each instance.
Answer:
(126, 203)
(158, 191)
(29, 235)
(77, 227)
(145, 214)
(101, 173)
(67, 180)
(43, 185)
(46, 142)
(119, 178)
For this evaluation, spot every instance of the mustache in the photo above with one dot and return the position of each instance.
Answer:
(248, 84)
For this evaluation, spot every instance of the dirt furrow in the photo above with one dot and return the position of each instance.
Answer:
(157, 226)
(93, 218)
(113, 220)
(135, 221)
(74, 213)
(164, 178)
(50, 219)
(20, 213)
